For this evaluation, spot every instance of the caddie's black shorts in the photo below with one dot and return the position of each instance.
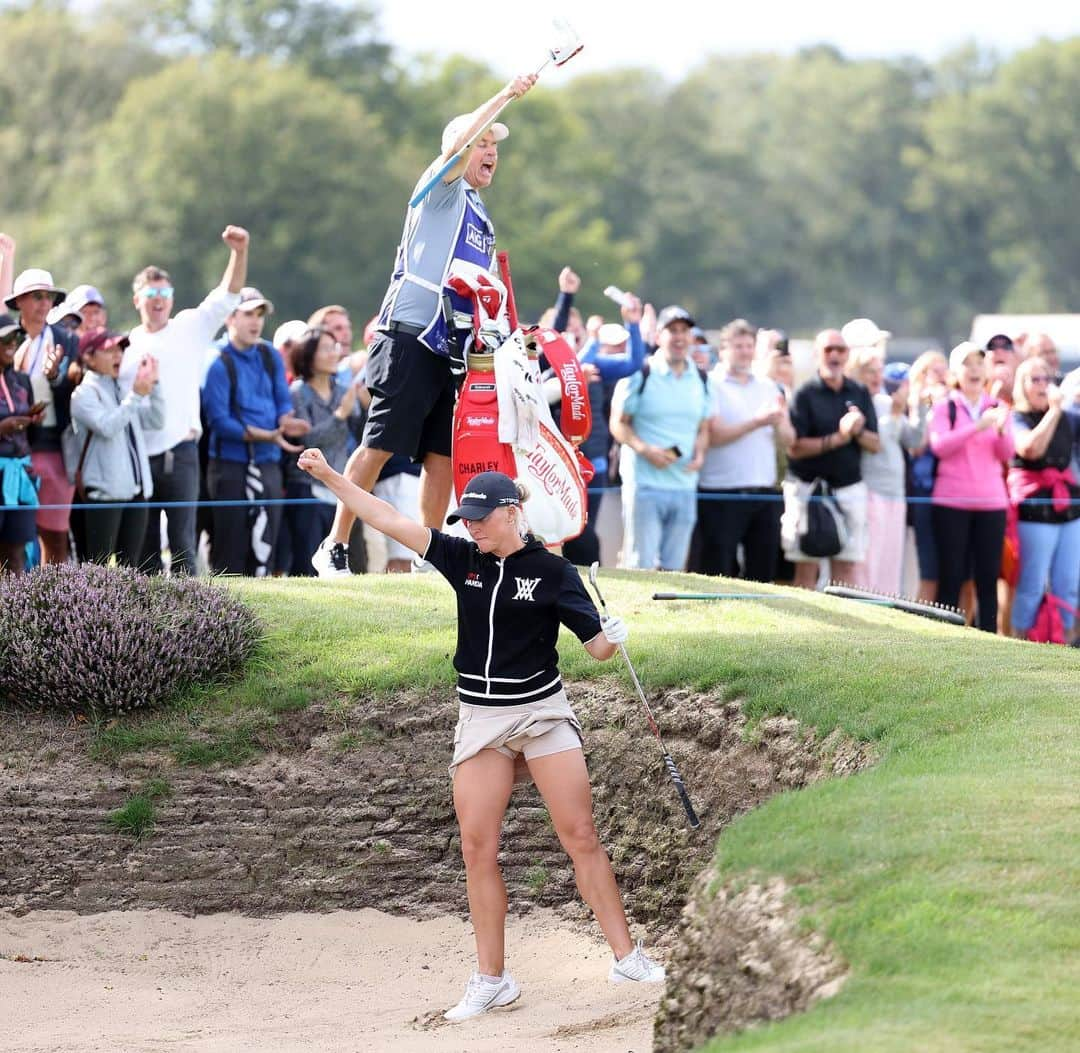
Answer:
(412, 398)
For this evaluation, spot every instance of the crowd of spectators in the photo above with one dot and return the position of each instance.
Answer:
(150, 446)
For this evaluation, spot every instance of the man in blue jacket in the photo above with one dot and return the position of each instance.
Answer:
(250, 419)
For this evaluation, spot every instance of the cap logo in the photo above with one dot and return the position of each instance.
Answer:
(475, 494)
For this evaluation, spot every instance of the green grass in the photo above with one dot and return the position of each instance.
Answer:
(137, 815)
(948, 876)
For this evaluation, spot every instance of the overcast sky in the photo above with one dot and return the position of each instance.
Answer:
(672, 35)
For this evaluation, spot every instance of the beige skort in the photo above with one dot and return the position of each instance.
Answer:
(536, 729)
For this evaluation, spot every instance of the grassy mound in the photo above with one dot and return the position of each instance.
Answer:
(946, 876)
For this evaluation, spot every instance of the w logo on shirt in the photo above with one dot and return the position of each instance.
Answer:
(526, 587)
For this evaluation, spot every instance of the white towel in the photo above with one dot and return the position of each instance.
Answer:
(520, 395)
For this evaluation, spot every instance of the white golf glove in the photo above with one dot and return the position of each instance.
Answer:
(615, 630)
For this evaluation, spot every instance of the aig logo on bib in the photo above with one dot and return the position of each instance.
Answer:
(525, 589)
(479, 239)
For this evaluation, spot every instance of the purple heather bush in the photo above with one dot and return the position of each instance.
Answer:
(100, 640)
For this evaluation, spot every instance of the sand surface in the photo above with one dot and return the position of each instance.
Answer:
(154, 981)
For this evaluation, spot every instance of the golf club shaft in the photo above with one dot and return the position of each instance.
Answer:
(669, 763)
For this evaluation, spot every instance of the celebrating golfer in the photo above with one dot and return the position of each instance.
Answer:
(514, 717)
(423, 325)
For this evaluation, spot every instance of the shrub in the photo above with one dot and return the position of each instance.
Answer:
(107, 640)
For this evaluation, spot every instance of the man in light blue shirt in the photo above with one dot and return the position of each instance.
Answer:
(661, 417)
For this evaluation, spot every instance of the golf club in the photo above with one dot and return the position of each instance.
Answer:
(567, 45)
(672, 771)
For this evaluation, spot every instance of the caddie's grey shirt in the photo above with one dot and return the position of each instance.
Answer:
(449, 224)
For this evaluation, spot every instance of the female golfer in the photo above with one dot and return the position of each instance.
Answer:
(514, 718)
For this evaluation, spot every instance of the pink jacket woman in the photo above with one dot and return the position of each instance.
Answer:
(971, 436)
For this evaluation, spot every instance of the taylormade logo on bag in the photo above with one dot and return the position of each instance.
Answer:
(573, 391)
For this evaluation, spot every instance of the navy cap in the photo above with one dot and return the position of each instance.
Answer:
(674, 313)
(483, 494)
(8, 325)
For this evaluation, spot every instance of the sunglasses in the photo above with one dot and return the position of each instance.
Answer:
(158, 292)
(12, 340)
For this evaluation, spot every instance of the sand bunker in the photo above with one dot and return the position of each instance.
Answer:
(150, 981)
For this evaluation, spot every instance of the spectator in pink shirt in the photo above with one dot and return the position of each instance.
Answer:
(971, 436)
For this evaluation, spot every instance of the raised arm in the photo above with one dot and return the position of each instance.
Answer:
(479, 121)
(7, 265)
(371, 509)
(238, 241)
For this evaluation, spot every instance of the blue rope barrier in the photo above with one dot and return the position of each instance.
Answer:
(300, 501)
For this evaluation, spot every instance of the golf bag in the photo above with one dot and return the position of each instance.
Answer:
(502, 422)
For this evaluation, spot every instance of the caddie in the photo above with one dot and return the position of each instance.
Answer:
(422, 325)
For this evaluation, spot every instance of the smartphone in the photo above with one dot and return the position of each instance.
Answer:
(36, 408)
(675, 450)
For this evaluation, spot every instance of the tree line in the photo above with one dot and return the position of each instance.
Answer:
(797, 190)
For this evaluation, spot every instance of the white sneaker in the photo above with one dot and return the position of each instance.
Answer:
(421, 566)
(481, 995)
(331, 559)
(636, 967)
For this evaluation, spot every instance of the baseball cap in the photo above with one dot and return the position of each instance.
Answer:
(251, 300)
(462, 121)
(894, 374)
(861, 332)
(61, 311)
(674, 313)
(483, 494)
(81, 295)
(1000, 342)
(102, 338)
(9, 325)
(612, 333)
(290, 331)
(961, 353)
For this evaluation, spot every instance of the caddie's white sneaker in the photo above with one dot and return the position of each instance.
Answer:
(331, 559)
(481, 995)
(636, 967)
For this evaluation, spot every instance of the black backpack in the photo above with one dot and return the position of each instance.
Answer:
(645, 377)
(826, 528)
(266, 353)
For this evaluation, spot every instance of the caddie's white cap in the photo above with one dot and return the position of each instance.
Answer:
(498, 131)
(861, 332)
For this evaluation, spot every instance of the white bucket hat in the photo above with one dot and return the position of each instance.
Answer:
(34, 279)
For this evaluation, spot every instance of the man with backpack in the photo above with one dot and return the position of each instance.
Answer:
(834, 421)
(179, 345)
(661, 417)
(250, 422)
